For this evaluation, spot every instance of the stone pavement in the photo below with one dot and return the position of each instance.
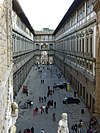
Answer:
(36, 89)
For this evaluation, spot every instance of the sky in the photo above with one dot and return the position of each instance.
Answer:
(45, 13)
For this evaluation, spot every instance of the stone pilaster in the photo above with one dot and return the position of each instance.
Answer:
(97, 90)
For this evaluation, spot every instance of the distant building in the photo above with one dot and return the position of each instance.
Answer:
(44, 45)
(23, 46)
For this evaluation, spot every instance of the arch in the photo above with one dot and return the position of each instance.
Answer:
(37, 46)
(44, 57)
(50, 46)
(44, 46)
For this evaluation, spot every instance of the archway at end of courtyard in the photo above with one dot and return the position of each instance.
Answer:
(44, 57)
(44, 46)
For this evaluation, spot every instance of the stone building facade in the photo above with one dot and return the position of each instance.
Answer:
(96, 5)
(77, 51)
(23, 46)
(7, 121)
(29, 47)
(44, 46)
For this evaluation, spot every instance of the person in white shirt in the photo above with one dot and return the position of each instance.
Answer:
(42, 130)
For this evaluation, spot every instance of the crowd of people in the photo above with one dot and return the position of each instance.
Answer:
(28, 130)
(80, 127)
(46, 103)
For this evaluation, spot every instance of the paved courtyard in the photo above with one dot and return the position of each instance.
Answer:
(36, 89)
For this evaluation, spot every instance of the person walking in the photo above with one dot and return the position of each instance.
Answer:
(95, 130)
(32, 129)
(25, 131)
(55, 105)
(46, 109)
(20, 131)
(42, 99)
(90, 130)
(41, 110)
(45, 99)
(43, 81)
(39, 99)
(29, 131)
(42, 130)
(54, 117)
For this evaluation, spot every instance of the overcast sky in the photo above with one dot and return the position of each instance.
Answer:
(45, 13)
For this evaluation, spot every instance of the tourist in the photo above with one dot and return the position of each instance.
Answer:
(42, 130)
(32, 129)
(55, 105)
(20, 131)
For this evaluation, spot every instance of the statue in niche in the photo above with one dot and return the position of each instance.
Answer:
(14, 109)
(63, 125)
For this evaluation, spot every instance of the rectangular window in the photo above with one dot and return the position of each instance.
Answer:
(83, 92)
(91, 67)
(80, 89)
(77, 61)
(90, 44)
(87, 40)
(89, 6)
(83, 45)
(87, 65)
(80, 62)
(83, 63)
(77, 44)
(80, 45)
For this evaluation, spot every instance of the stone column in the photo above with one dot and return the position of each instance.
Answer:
(97, 90)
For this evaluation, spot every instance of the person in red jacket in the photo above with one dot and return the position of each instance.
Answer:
(29, 131)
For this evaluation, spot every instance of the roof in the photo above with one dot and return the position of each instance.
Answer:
(70, 11)
(17, 8)
(44, 32)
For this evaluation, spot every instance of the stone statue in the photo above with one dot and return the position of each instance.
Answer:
(14, 109)
(63, 125)
(12, 129)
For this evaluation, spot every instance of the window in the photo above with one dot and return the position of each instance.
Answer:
(83, 63)
(80, 62)
(51, 46)
(82, 44)
(91, 44)
(87, 65)
(83, 92)
(81, 13)
(89, 6)
(18, 21)
(87, 40)
(77, 61)
(77, 45)
(80, 89)
(37, 46)
(91, 67)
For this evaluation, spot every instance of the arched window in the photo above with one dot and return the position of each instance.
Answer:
(44, 46)
(50, 46)
(37, 46)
